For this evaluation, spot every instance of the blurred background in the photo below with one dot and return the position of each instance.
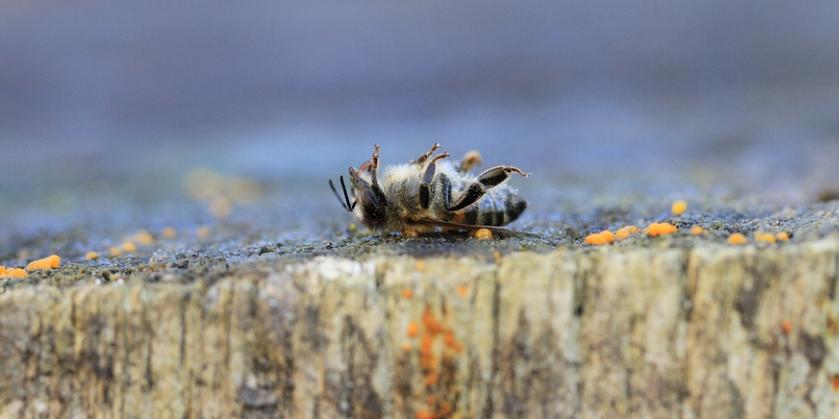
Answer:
(112, 110)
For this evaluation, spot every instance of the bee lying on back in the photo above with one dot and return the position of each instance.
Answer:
(429, 192)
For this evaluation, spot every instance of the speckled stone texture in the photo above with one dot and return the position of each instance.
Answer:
(706, 331)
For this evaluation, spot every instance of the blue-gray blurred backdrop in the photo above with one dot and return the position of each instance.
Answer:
(122, 98)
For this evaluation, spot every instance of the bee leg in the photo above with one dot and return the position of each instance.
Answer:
(421, 159)
(373, 194)
(470, 160)
(427, 177)
(486, 180)
(374, 165)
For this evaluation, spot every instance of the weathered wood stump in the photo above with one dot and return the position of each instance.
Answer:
(708, 332)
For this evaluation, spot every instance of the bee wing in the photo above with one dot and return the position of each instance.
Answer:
(506, 232)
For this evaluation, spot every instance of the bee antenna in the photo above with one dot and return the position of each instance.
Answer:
(346, 197)
(335, 191)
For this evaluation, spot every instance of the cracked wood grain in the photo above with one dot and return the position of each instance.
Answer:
(713, 331)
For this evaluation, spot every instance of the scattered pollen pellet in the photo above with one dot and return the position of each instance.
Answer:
(679, 207)
(169, 233)
(114, 251)
(782, 236)
(595, 239)
(463, 291)
(91, 255)
(661, 229)
(483, 234)
(129, 247)
(765, 237)
(696, 230)
(601, 238)
(50, 262)
(737, 239)
(413, 329)
(17, 273)
(407, 293)
(144, 238)
(625, 232)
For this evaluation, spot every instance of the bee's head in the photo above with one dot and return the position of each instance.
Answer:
(370, 201)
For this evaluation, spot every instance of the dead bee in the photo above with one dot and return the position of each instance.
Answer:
(429, 192)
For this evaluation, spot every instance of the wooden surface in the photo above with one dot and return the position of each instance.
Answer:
(707, 332)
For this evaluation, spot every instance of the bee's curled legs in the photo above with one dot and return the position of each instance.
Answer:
(488, 179)
(371, 166)
(427, 177)
(422, 158)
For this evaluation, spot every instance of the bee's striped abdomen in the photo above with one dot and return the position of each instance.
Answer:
(513, 207)
(491, 214)
(496, 208)
(470, 216)
(496, 211)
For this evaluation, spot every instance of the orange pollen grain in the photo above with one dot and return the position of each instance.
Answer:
(91, 255)
(696, 230)
(679, 207)
(17, 273)
(144, 238)
(483, 234)
(737, 239)
(782, 236)
(601, 238)
(661, 229)
(114, 251)
(413, 329)
(463, 291)
(168, 233)
(765, 237)
(407, 293)
(129, 246)
(625, 232)
(50, 262)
